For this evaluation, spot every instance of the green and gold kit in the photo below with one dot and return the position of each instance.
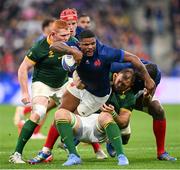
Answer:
(126, 100)
(47, 68)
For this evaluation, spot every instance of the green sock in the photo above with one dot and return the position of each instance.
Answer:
(25, 135)
(65, 129)
(114, 135)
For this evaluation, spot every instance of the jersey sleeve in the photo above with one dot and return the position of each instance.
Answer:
(32, 55)
(116, 66)
(110, 54)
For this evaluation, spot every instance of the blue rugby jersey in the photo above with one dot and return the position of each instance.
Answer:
(94, 71)
(78, 31)
(138, 84)
(116, 67)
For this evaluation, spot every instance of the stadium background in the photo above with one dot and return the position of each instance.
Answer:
(149, 29)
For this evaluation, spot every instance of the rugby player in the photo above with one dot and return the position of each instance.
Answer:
(93, 70)
(99, 127)
(49, 79)
(148, 105)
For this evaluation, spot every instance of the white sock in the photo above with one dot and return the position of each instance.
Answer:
(46, 149)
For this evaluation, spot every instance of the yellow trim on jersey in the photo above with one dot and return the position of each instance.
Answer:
(33, 62)
(49, 41)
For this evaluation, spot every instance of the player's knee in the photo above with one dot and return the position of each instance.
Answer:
(62, 114)
(38, 112)
(156, 110)
(105, 118)
(124, 115)
(124, 123)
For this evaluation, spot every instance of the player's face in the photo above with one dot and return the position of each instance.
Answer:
(122, 81)
(84, 22)
(62, 35)
(72, 26)
(88, 46)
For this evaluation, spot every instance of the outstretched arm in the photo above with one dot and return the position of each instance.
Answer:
(62, 47)
(148, 82)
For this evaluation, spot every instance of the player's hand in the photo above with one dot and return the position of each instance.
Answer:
(62, 47)
(146, 95)
(107, 108)
(77, 54)
(77, 81)
(147, 98)
(26, 99)
(150, 86)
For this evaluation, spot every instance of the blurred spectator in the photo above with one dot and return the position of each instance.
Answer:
(174, 12)
(159, 15)
(148, 40)
(20, 24)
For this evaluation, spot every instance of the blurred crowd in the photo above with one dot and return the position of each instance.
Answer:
(133, 25)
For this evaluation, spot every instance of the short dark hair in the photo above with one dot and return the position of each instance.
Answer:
(46, 23)
(86, 34)
(126, 71)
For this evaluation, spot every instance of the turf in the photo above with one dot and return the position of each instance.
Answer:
(141, 150)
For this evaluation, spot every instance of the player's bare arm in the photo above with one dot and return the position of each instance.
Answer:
(25, 66)
(148, 82)
(61, 47)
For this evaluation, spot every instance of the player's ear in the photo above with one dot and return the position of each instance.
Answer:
(114, 76)
(53, 33)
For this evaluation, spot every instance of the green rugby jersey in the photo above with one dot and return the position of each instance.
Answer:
(119, 101)
(47, 68)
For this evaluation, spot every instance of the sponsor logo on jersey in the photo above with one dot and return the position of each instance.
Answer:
(87, 62)
(51, 54)
(97, 63)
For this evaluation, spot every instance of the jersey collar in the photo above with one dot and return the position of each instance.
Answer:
(49, 41)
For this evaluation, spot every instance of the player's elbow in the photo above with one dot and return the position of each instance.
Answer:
(129, 57)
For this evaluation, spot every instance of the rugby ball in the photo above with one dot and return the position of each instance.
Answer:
(68, 63)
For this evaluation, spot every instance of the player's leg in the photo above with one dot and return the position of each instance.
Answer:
(123, 121)
(64, 125)
(37, 134)
(88, 105)
(45, 155)
(106, 121)
(39, 106)
(156, 110)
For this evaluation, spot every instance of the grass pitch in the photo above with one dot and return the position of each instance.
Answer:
(141, 150)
